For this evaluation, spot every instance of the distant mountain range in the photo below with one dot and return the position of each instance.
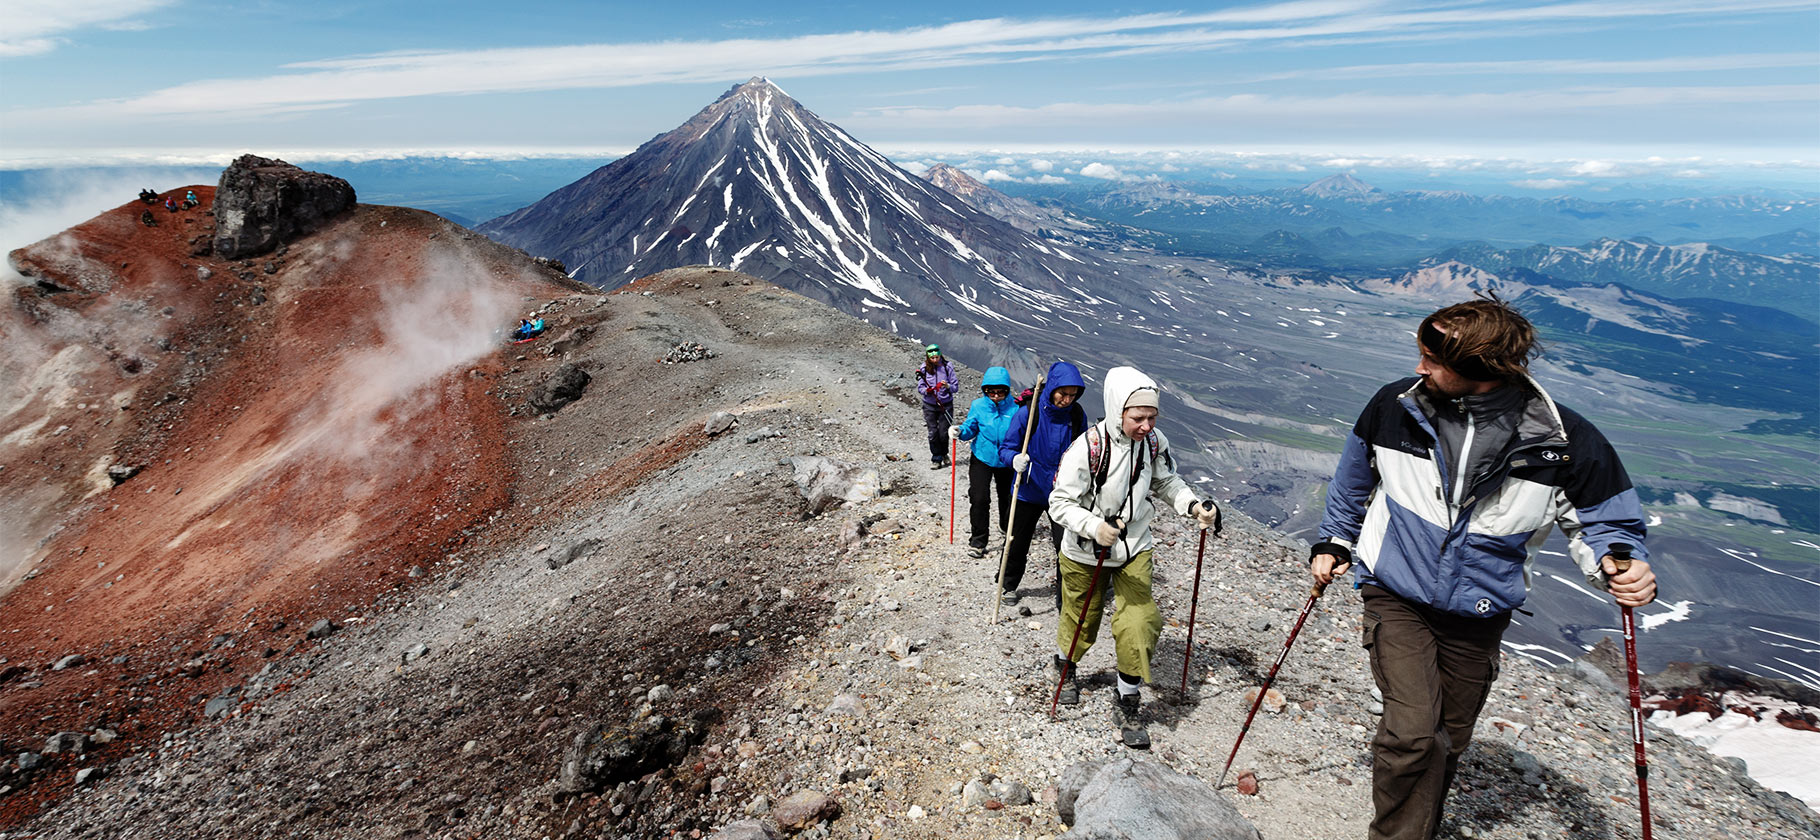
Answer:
(1679, 271)
(1752, 356)
(1344, 223)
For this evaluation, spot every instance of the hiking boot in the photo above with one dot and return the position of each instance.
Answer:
(1008, 598)
(976, 551)
(1071, 687)
(1126, 716)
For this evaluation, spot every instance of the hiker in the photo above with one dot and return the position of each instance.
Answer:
(1447, 483)
(936, 381)
(1108, 474)
(189, 199)
(1059, 420)
(170, 204)
(988, 425)
(146, 195)
(146, 218)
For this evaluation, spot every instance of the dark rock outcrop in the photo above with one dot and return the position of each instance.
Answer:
(603, 755)
(261, 204)
(563, 387)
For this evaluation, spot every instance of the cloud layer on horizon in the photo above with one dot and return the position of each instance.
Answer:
(309, 87)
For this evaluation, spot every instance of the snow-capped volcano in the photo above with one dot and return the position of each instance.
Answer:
(757, 183)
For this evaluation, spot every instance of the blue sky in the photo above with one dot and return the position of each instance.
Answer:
(1574, 90)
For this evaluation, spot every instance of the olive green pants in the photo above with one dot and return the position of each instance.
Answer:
(1136, 623)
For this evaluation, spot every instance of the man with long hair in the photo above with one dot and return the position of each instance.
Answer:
(1448, 482)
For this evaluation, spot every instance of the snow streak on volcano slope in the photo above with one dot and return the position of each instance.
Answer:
(757, 183)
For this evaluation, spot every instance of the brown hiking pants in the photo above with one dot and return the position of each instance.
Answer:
(1435, 670)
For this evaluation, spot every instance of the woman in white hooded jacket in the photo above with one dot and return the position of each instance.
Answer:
(1109, 473)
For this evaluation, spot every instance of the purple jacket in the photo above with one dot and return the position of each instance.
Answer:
(926, 380)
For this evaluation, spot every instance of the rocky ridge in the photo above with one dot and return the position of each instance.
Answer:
(708, 655)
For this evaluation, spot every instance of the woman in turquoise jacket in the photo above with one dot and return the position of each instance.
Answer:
(988, 422)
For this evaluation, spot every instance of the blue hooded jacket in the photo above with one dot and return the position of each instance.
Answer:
(987, 420)
(1055, 429)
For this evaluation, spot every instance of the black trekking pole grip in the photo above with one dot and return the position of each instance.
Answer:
(1620, 556)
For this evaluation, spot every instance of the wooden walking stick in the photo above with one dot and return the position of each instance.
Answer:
(1004, 554)
(1620, 557)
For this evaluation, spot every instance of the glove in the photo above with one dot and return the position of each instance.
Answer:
(954, 433)
(1021, 463)
(1207, 513)
(1106, 534)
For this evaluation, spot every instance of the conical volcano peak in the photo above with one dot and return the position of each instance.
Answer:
(1343, 185)
(756, 88)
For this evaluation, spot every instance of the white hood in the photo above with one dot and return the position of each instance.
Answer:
(1120, 382)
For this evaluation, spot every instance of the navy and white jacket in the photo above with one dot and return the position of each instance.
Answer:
(1470, 555)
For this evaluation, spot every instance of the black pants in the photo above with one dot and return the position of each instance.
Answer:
(938, 418)
(1023, 527)
(980, 481)
(1435, 670)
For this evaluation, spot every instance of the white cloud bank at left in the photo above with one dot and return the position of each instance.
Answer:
(33, 27)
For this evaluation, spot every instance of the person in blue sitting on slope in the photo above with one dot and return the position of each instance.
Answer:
(1059, 420)
(1448, 482)
(988, 423)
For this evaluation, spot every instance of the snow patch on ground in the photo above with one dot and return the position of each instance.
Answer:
(1677, 611)
(1776, 756)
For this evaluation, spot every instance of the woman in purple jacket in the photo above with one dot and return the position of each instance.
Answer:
(936, 381)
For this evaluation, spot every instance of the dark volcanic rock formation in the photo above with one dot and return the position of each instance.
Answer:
(263, 203)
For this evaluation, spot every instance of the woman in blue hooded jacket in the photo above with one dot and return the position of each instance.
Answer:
(988, 419)
(1059, 420)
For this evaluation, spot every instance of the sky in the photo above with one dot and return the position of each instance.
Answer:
(1574, 90)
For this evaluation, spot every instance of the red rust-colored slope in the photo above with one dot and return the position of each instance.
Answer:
(319, 424)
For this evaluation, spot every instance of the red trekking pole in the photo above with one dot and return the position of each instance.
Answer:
(1099, 558)
(954, 450)
(1620, 557)
(1313, 595)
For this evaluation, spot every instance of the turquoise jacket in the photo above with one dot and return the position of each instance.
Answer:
(987, 421)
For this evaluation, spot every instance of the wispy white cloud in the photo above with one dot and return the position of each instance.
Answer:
(1562, 67)
(32, 27)
(329, 82)
(1378, 109)
(1545, 184)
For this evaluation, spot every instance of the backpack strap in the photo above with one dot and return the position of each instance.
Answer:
(1096, 457)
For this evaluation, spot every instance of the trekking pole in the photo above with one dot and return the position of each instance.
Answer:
(1193, 604)
(1313, 596)
(1099, 562)
(1004, 552)
(1620, 557)
(954, 451)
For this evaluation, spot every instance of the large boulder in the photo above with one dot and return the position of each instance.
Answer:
(825, 483)
(261, 204)
(1144, 800)
(603, 755)
(564, 386)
